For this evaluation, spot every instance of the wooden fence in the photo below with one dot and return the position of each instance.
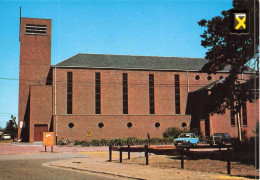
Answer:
(173, 150)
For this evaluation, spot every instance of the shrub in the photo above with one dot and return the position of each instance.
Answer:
(85, 143)
(77, 143)
(119, 142)
(95, 142)
(104, 142)
(172, 132)
(64, 141)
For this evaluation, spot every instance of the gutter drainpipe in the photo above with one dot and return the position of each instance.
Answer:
(55, 112)
(188, 83)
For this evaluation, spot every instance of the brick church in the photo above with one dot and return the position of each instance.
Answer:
(95, 96)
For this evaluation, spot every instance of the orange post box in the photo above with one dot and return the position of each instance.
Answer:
(48, 139)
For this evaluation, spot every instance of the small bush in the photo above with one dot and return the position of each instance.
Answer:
(172, 132)
(84, 143)
(77, 143)
(95, 142)
(64, 142)
(104, 142)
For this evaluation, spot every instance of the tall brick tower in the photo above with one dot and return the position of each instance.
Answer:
(35, 61)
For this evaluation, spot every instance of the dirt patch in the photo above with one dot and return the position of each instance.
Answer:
(204, 165)
(6, 141)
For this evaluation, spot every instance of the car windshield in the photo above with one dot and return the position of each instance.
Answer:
(184, 135)
(227, 135)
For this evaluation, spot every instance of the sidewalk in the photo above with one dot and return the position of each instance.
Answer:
(97, 163)
(30, 148)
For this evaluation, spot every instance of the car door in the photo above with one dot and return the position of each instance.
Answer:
(193, 139)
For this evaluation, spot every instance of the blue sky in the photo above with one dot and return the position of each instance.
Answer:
(127, 27)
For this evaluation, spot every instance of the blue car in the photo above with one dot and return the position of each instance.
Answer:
(186, 139)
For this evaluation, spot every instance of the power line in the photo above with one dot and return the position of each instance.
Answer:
(5, 114)
(9, 79)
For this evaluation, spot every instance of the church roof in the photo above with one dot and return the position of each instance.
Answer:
(131, 62)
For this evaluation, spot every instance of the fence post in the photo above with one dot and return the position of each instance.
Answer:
(228, 161)
(110, 153)
(120, 154)
(146, 154)
(182, 158)
(128, 151)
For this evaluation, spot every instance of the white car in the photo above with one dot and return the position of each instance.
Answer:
(6, 136)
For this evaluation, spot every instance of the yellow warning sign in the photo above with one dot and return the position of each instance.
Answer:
(89, 134)
(48, 139)
(240, 23)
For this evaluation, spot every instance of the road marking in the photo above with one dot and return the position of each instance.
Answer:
(89, 152)
(229, 177)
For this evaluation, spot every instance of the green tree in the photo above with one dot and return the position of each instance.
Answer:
(227, 49)
(234, 52)
(11, 127)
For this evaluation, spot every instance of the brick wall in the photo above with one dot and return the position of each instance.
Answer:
(35, 60)
(84, 118)
(222, 123)
(40, 108)
(115, 126)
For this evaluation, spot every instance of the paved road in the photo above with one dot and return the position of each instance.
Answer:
(27, 167)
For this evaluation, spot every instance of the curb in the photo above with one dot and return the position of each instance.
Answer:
(93, 171)
(26, 144)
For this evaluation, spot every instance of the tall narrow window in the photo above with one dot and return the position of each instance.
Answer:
(244, 114)
(69, 92)
(232, 114)
(125, 94)
(98, 97)
(151, 93)
(177, 94)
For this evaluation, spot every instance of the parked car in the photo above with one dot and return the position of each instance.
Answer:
(6, 136)
(219, 138)
(186, 139)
